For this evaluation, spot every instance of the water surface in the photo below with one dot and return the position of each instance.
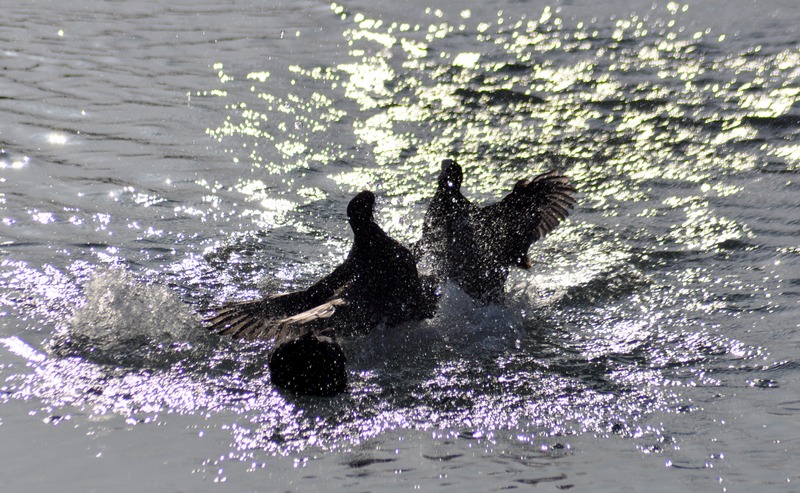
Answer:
(157, 159)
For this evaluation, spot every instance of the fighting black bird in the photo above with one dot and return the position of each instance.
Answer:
(377, 283)
(475, 246)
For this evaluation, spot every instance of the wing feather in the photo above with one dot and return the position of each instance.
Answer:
(532, 210)
(261, 319)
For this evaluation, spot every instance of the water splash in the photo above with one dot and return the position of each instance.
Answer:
(127, 321)
(623, 316)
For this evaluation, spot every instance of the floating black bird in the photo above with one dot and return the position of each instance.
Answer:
(475, 246)
(377, 282)
(309, 364)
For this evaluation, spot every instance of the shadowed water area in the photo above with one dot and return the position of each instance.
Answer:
(159, 159)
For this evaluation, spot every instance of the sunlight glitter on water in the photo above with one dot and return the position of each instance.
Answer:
(652, 123)
(390, 131)
(575, 109)
(112, 362)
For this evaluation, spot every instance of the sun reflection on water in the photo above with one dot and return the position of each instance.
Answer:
(654, 124)
(627, 110)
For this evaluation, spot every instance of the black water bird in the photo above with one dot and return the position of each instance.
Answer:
(310, 364)
(377, 283)
(475, 246)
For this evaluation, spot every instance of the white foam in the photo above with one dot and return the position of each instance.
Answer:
(460, 325)
(460, 318)
(120, 307)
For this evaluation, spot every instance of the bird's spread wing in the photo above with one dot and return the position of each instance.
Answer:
(241, 320)
(257, 319)
(305, 322)
(533, 209)
(254, 320)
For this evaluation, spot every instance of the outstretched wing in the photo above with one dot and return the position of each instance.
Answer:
(241, 320)
(533, 209)
(250, 321)
(259, 319)
(314, 320)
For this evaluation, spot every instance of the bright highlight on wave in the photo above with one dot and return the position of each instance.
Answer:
(655, 125)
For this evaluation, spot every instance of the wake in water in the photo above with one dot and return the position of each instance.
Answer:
(537, 364)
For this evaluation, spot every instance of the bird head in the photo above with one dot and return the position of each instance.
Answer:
(451, 175)
(359, 210)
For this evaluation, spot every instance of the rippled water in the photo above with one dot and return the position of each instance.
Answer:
(156, 159)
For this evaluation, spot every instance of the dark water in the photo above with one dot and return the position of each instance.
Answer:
(156, 159)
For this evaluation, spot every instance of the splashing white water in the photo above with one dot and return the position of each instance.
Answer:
(127, 321)
(120, 307)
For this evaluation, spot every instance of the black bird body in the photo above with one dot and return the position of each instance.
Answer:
(377, 282)
(309, 364)
(475, 246)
